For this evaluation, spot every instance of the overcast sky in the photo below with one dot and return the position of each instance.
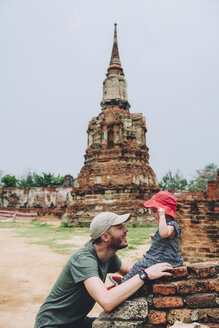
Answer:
(53, 59)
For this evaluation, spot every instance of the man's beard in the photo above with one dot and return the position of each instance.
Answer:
(116, 243)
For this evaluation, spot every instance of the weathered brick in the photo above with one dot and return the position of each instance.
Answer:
(208, 315)
(157, 317)
(179, 272)
(184, 315)
(195, 286)
(201, 300)
(167, 302)
(164, 289)
(201, 270)
(214, 285)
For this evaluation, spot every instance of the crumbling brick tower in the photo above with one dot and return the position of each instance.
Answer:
(116, 175)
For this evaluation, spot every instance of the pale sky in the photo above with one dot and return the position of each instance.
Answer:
(53, 59)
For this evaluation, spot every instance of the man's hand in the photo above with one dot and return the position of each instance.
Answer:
(158, 270)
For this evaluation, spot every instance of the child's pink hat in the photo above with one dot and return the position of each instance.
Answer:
(163, 199)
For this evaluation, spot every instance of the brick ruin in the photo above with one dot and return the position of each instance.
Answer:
(197, 215)
(116, 177)
(189, 296)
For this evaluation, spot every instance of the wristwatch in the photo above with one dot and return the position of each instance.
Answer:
(143, 276)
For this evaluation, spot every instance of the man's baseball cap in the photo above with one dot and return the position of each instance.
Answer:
(163, 199)
(103, 221)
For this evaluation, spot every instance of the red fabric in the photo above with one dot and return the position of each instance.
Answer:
(165, 200)
(115, 279)
(110, 287)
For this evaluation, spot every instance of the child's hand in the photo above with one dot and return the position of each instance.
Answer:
(151, 235)
(161, 212)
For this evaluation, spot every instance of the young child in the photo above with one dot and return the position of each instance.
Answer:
(165, 242)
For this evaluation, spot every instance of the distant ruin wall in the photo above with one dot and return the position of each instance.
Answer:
(190, 295)
(53, 200)
(197, 212)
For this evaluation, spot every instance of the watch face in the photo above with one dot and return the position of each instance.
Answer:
(142, 275)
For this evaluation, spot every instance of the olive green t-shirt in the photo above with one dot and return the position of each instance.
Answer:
(69, 300)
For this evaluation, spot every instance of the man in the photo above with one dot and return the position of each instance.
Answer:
(81, 282)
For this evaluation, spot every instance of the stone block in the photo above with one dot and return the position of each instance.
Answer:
(201, 270)
(167, 302)
(196, 286)
(116, 324)
(164, 289)
(157, 317)
(214, 285)
(129, 310)
(201, 300)
(178, 272)
(184, 315)
(208, 315)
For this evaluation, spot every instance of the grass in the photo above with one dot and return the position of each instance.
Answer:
(65, 239)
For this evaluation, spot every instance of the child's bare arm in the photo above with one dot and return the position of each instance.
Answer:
(164, 229)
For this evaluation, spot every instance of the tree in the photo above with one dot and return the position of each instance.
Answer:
(173, 181)
(44, 180)
(203, 176)
(27, 181)
(9, 181)
(1, 172)
(47, 180)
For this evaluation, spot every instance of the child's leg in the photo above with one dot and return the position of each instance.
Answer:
(137, 267)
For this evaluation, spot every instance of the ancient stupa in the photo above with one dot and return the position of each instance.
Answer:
(116, 175)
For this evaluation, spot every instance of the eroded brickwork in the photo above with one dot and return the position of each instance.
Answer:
(53, 200)
(190, 295)
(197, 215)
(116, 175)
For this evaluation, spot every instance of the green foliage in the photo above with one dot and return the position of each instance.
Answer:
(178, 182)
(173, 181)
(66, 225)
(44, 180)
(9, 181)
(203, 176)
(31, 180)
(1, 172)
(27, 181)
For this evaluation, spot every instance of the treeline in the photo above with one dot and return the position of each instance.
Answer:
(31, 180)
(177, 181)
(169, 181)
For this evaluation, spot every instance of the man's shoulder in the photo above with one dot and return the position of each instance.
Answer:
(87, 251)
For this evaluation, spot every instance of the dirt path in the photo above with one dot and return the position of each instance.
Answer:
(27, 273)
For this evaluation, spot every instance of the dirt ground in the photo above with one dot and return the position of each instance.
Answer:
(27, 273)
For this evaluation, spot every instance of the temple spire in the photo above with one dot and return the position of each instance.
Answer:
(115, 64)
(114, 85)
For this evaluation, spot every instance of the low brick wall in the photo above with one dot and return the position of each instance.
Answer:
(190, 295)
(197, 215)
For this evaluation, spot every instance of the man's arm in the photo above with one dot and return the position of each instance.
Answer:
(109, 299)
(125, 268)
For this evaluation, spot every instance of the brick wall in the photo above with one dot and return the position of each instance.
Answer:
(190, 295)
(197, 215)
(53, 200)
